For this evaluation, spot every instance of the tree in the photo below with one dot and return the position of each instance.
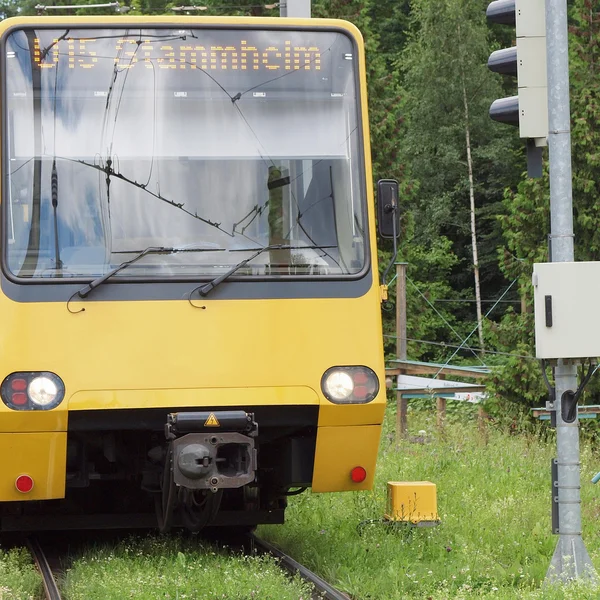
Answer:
(452, 147)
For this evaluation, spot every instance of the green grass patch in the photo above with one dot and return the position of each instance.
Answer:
(19, 579)
(176, 568)
(494, 540)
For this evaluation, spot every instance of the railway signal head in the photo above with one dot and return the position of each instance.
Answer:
(526, 61)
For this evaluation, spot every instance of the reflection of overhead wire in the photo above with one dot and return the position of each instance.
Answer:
(54, 178)
(110, 172)
(127, 70)
(153, 127)
(21, 166)
(149, 37)
(240, 94)
(32, 255)
(45, 51)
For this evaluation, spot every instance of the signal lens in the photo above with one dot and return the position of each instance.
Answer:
(24, 484)
(358, 474)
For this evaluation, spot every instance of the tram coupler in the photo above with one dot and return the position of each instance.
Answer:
(212, 450)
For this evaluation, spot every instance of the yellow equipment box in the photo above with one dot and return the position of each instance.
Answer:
(412, 502)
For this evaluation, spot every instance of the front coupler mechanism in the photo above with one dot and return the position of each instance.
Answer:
(207, 453)
(212, 450)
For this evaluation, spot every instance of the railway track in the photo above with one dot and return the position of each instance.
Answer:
(48, 580)
(323, 589)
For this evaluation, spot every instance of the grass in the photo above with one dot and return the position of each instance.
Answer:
(19, 579)
(494, 540)
(176, 568)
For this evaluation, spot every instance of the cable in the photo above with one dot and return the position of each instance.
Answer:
(227, 7)
(443, 319)
(458, 300)
(477, 326)
(444, 344)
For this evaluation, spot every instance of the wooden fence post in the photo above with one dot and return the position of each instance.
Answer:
(441, 412)
(401, 417)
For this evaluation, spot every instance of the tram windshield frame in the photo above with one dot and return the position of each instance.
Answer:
(213, 141)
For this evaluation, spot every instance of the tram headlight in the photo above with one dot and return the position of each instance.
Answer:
(42, 391)
(350, 385)
(338, 385)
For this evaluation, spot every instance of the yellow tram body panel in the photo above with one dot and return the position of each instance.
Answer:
(41, 456)
(339, 450)
(197, 358)
(216, 353)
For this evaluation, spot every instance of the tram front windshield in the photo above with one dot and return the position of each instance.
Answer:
(214, 141)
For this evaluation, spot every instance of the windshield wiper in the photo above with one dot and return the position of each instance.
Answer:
(205, 289)
(85, 291)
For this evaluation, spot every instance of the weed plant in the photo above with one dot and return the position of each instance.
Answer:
(19, 579)
(494, 540)
(177, 568)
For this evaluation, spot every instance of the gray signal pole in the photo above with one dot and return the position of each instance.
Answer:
(295, 8)
(571, 559)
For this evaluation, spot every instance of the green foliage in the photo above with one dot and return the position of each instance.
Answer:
(445, 76)
(19, 579)
(494, 540)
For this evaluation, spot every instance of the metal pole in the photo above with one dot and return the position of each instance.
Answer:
(401, 401)
(401, 311)
(571, 559)
(295, 8)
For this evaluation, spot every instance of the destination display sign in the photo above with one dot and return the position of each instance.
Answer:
(246, 52)
(184, 62)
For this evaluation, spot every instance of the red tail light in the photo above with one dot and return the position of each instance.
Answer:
(18, 385)
(358, 474)
(19, 398)
(24, 484)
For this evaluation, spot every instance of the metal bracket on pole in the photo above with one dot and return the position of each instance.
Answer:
(554, 471)
(295, 8)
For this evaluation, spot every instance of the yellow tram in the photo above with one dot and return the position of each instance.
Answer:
(190, 300)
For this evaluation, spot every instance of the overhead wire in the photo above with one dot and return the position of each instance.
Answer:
(477, 326)
(443, 318)
(446, 345)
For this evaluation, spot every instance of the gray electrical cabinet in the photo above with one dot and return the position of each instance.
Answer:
(567, 309)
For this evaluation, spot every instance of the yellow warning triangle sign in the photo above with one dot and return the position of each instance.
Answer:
(212, 421)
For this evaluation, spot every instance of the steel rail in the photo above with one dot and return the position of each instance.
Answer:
(50, 586)
(325, 590)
